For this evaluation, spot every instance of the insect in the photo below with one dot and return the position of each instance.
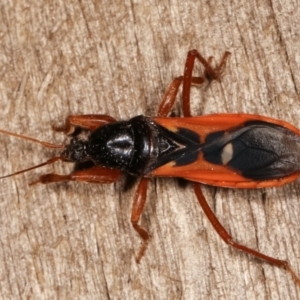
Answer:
(224, 150)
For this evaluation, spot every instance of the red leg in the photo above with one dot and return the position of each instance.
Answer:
(228, 239)
(88, 122)
(95, 174)
(210, 74)
(169, 97)
(137, 209)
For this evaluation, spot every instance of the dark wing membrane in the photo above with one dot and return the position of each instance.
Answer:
(258, 150)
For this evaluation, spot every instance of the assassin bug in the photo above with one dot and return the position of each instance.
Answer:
(224, 150)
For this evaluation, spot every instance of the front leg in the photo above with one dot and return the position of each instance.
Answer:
(87, 122)
(96, 174)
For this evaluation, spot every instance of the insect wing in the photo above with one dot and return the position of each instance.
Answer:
(238, 150)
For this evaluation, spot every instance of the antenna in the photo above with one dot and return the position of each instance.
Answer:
(45, 144)
(48, 162)
(20, 136)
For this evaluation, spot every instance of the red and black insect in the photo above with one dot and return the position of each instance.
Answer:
(224, 150)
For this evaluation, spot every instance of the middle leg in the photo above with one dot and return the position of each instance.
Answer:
(210, 74)
(169, 97)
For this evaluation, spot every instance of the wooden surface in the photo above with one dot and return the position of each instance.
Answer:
(75, 240)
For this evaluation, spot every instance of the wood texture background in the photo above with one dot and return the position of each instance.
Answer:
(75, 240)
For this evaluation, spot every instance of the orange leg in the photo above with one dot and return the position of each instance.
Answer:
(210, 74)
(88, 122)
(95, 174)
(169, 97)
(137, 209)
(229, 240)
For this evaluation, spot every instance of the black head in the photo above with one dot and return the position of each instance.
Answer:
(76, 151)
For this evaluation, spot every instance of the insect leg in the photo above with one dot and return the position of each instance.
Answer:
(210, 74)
(225, 236)
(95, 174)
(137, 209)
(169, 97)
(88, 122)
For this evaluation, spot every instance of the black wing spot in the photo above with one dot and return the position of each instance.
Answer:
(213, 147)
(214, 136)
(188, 134)
(261, 150)
(187, 158)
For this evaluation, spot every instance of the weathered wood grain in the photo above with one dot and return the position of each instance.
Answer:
(75, 241)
